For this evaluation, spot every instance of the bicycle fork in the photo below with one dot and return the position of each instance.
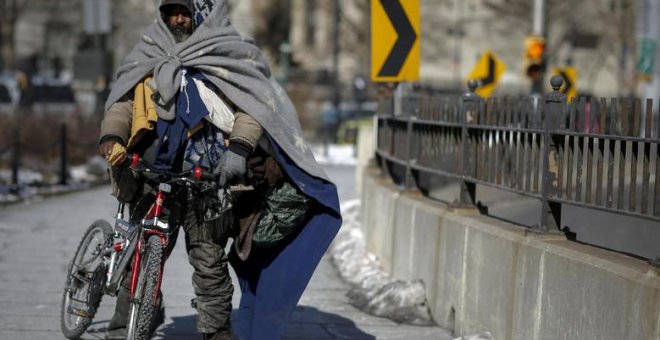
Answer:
(152, 218)
(116, 247)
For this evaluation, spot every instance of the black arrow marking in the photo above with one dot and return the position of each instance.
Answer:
(568, 85)
(405, 41)
(490, 76)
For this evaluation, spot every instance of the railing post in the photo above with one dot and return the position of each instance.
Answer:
(384, 136)
(553, 114)
(470, 104)
(413, 112)
(63, 156)
(15, 158)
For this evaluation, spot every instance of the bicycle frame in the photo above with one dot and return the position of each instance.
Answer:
(100, 264)
(152, 219)
(132, 236)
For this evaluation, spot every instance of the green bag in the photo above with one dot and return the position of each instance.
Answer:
(284, 211)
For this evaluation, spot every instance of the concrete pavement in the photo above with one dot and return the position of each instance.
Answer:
(37, 240)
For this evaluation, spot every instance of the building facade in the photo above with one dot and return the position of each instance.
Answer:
(307, 41)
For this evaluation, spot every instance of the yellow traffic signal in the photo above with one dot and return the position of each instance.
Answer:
(533, 58)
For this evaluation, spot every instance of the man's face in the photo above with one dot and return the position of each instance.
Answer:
(179, 21)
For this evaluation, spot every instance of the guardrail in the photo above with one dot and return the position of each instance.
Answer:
(596, 153)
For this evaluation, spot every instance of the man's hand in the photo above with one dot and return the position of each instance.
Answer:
(232, 165)
(105, 149)
(113, 152)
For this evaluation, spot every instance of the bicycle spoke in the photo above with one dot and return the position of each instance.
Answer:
(86, 277)
(83, 278)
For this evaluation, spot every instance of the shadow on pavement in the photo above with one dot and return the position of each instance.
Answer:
(306, 323)
(310, 323)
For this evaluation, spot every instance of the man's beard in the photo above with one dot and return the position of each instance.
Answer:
(180, 33)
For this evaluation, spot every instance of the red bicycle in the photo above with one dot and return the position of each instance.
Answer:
(104, 253)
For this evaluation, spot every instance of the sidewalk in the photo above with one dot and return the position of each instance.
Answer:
(38, 239)
(322, 313)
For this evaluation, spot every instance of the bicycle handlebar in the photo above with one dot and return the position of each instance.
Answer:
(195, 175)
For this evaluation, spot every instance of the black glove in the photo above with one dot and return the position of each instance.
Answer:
(232, 165)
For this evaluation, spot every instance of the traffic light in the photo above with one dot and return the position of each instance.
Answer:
(534, 57)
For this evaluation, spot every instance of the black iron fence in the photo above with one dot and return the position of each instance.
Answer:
(590, 152)
(46, 145)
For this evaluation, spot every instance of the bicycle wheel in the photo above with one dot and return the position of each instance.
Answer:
(145, 304)
(85, 280)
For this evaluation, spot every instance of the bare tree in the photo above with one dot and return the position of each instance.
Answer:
(272, 26)
(605, 27)
(358, 40)
(10, 11)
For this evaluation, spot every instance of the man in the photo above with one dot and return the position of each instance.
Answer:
(205, 247)
(271, 280)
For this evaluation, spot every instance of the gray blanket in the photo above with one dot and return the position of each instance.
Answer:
(232, 63)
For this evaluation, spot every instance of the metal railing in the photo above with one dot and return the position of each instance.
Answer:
(53, 152)
(588, 152)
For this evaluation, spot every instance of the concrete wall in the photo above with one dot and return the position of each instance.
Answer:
(482, 274)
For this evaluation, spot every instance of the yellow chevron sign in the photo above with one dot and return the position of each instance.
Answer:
(395, 36)
(487, 73)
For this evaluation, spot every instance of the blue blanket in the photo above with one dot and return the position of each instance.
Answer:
(272, 280)
(172, 134)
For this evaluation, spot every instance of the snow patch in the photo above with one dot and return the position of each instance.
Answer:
(373, 290)
(480, 336)
(334, 154)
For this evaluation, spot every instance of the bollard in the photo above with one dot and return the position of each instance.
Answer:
(553, 111)
(63, 156)
(15, 159)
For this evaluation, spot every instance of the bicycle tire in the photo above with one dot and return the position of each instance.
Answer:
(144, 307)
(86, 296)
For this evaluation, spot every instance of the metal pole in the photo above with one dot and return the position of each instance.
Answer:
(15, 158)
(538, 17)
(336, 97)
(469, 111)
(553, 111)
(538, 29)
(63, 156)
(336, 94)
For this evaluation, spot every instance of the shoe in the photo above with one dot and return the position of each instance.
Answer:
(160, 319)
(221, 335)
(120, 333)
(116, 334)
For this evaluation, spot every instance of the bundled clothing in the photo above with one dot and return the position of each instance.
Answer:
(272, 279)
(232, 63)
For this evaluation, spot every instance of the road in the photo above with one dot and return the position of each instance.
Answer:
(37, 240)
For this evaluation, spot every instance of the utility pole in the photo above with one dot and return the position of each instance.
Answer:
(538, 29)
(336, 97)
(336, 93)
(457, 32)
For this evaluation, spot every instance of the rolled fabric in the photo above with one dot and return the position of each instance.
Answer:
(118, 155)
